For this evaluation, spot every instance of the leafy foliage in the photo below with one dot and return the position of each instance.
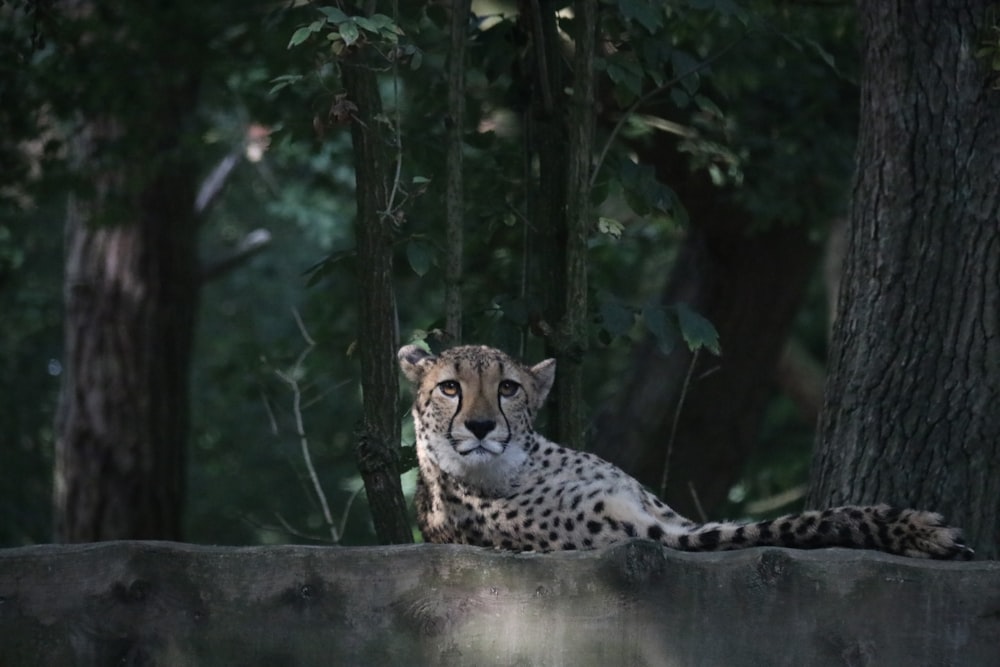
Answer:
(714, 73)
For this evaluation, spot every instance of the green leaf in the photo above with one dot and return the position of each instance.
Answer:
(611, 227)
(299, 36)
(616, 318)
(663, 328)
(643, 191)
(420, 255)
(680, 97)
(383, 21)
(419, 180)
(349, 31)
(649, 14)
(366, 24)
(626, 72)
(599, 193)
(282, 81)
(686, 66)
(697, 331)
(416, 59)
(334, 15)
(731, 8)
(705, 104)
(302, 34)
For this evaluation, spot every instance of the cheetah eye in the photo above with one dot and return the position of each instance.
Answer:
(450, 388)
(508, 388)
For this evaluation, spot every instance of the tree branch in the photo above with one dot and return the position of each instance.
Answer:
(251, 244)
(212, 186)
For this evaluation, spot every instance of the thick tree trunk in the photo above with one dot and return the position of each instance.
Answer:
(912, 407)
(130, 293)
(132, 279)
(378, 338)
(752, 303)
(749, 284)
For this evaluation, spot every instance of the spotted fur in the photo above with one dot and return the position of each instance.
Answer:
(487, 478)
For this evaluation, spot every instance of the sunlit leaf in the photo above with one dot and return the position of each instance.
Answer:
(697, 331)
(610, 226)
(299, 36)
(349, 31)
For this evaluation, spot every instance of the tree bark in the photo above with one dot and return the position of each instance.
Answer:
(131, 276)
(455, 197)
(561, 139)
(546, 207)
(378, 337)
(131, 291)
(749, 284)
(574, 327)
(752, 303)
(912, 406)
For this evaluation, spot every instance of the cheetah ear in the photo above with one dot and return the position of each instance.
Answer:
(545, 374)
(414, 362)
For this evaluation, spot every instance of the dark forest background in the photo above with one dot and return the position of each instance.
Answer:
(218, 220)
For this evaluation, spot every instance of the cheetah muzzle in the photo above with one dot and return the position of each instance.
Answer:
(486, 478)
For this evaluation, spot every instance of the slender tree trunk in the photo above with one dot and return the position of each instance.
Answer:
(378, 337)
(454, 199)
(912, 407)
(561, 139)
(574, 329)
(547, 132)
(131, 290)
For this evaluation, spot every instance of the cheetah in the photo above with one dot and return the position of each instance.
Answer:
(487, 478)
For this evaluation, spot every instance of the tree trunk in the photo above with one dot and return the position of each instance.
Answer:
(131, 280)
(574, 328)
(130, 295)
(749, 284)
(455, 197)
(561, 139)
(378, 338)
(547, 142)
(912, 407)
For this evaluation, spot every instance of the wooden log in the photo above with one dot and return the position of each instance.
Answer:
(179, 605)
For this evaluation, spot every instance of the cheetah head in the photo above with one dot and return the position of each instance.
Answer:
(474, 408)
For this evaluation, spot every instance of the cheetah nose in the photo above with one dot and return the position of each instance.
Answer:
(480, 427)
